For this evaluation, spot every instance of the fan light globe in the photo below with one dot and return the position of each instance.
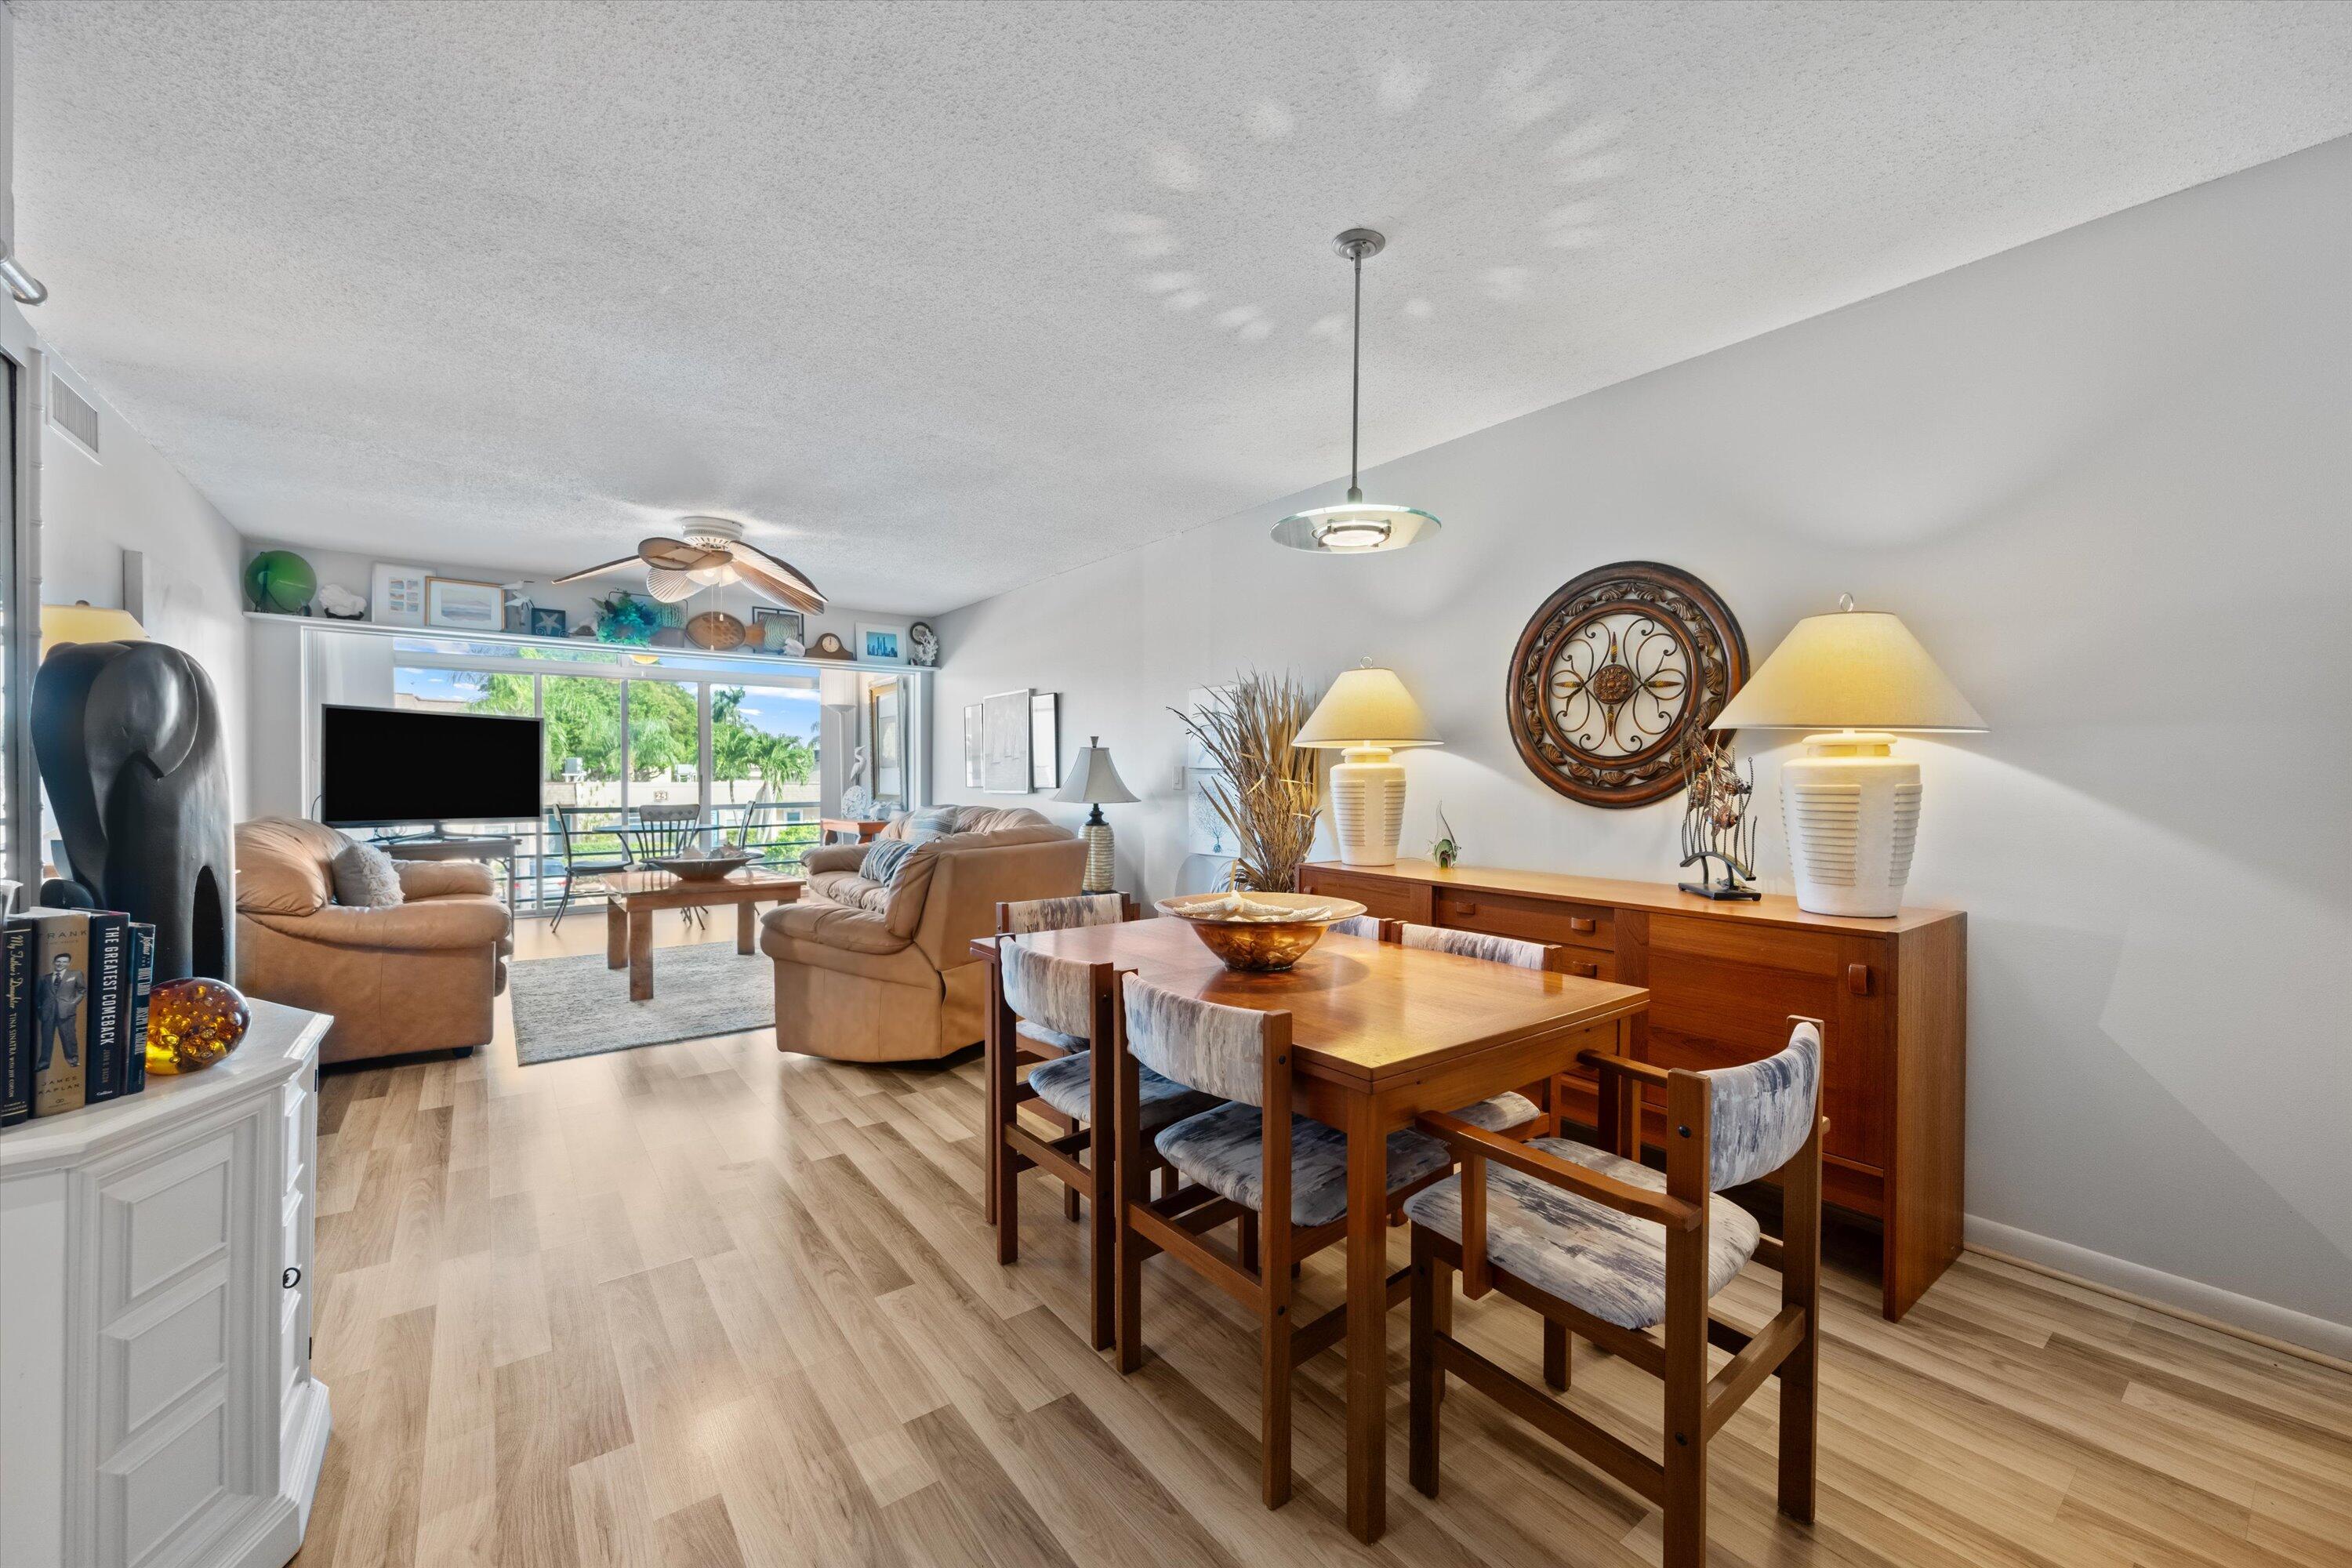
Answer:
(667, 587)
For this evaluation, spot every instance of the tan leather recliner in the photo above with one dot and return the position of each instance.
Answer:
(872, 972)
(419, 975)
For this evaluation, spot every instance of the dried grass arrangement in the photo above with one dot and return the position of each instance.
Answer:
(1269, 796)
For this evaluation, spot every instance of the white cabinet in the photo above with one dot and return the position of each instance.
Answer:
(156, 1403)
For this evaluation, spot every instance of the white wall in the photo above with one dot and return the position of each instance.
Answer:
(129, 498)
(2104, 478)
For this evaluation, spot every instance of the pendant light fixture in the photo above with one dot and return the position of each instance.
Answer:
(1358, 527)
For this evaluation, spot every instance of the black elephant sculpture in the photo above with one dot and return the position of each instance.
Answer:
(129, 740)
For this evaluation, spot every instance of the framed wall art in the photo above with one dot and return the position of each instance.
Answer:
(775, 630)
(1045, 740)
(975, 746)
(396, 596)
(464, 607)
(1613, 673)
(881, 644)
(1005, 722)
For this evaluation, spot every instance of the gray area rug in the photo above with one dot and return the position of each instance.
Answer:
(567, 1008)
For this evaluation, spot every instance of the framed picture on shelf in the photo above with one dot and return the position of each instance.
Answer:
(464, 607)
(777, 630)
(881, 644)
(396, 596)
(1044, 740)
(975, 746)
(547, 623)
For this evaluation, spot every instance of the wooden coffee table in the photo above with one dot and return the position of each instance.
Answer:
(632, 896)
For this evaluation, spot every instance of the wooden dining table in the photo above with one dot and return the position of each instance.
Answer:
(1380, 1033)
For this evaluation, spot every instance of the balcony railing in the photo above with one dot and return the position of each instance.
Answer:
(540, 870)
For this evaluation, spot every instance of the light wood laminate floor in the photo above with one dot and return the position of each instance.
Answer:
(705, 1304)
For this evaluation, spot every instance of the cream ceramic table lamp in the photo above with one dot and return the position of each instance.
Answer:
(1096, 783)
(1850, 806)
(1367, 714)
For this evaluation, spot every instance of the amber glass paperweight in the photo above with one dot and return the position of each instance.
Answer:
(193, 1024)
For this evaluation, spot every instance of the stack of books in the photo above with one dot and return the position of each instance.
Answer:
(77, 983)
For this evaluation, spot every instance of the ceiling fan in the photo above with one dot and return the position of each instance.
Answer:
(712, 554)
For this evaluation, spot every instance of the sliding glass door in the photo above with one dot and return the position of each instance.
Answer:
(737, 753)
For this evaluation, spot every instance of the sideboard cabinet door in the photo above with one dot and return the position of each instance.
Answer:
(186, 1340)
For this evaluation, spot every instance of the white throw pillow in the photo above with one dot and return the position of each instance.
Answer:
(365, 877)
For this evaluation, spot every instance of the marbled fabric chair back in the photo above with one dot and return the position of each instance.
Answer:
(1759, 1115)
(1365, 926)
(1477, 944)
(1202, 1044)
(1063, 914)
(1056, 992)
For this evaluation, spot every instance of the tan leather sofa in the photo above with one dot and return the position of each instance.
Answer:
(417, 976)
(872, 972)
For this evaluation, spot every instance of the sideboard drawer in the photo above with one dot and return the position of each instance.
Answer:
(1532, 920)
(1733, 941)
(1382, 896)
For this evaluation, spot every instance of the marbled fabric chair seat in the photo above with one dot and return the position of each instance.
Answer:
(1610, 1265)
(1045, 1036)
(1501, 1114)
(1064, 1084)
(1224, 1149)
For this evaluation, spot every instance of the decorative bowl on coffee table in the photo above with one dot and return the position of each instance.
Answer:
(709, 866)
(1260, 932)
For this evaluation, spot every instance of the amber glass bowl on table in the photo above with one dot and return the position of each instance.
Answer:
(1260, 933)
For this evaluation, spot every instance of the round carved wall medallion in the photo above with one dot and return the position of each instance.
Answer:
(1611, 675)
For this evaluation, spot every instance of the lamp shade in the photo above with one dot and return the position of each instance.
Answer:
(1853, 669)
(1367, 707)
(85, 623)
(1092, 778)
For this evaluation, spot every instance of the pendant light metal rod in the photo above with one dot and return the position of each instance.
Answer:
(1356, 383)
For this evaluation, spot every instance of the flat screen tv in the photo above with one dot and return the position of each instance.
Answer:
(379, 766)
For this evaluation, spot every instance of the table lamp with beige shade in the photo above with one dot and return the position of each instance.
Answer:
(1850, 806)
(1094, 782)
(1367, 714)
(82, 622)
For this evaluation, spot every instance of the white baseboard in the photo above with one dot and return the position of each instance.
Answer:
(2296, 1332)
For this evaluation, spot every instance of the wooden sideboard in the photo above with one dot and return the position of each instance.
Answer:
(1722, 979)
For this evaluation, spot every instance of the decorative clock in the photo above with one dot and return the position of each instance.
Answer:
(1614, 672)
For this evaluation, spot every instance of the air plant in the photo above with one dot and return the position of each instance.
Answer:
(1445, 851)
(1268, 795)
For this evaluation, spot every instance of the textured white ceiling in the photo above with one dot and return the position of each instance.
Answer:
(942, 298)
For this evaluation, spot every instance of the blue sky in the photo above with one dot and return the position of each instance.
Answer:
(776, 711)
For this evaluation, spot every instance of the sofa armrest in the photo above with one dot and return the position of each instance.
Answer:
(834, 858)
(441, 879)
(447, 922)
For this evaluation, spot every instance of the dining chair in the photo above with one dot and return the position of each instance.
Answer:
(1522, 1113)
(657, 832)
(1071, 1001)
(1603, 1245)
(577, 863)
(1282, 1179)
(1033, 1041)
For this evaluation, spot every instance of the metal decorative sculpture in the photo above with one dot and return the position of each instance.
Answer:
(1613, 672)
(129, 740)
(1715, 823)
